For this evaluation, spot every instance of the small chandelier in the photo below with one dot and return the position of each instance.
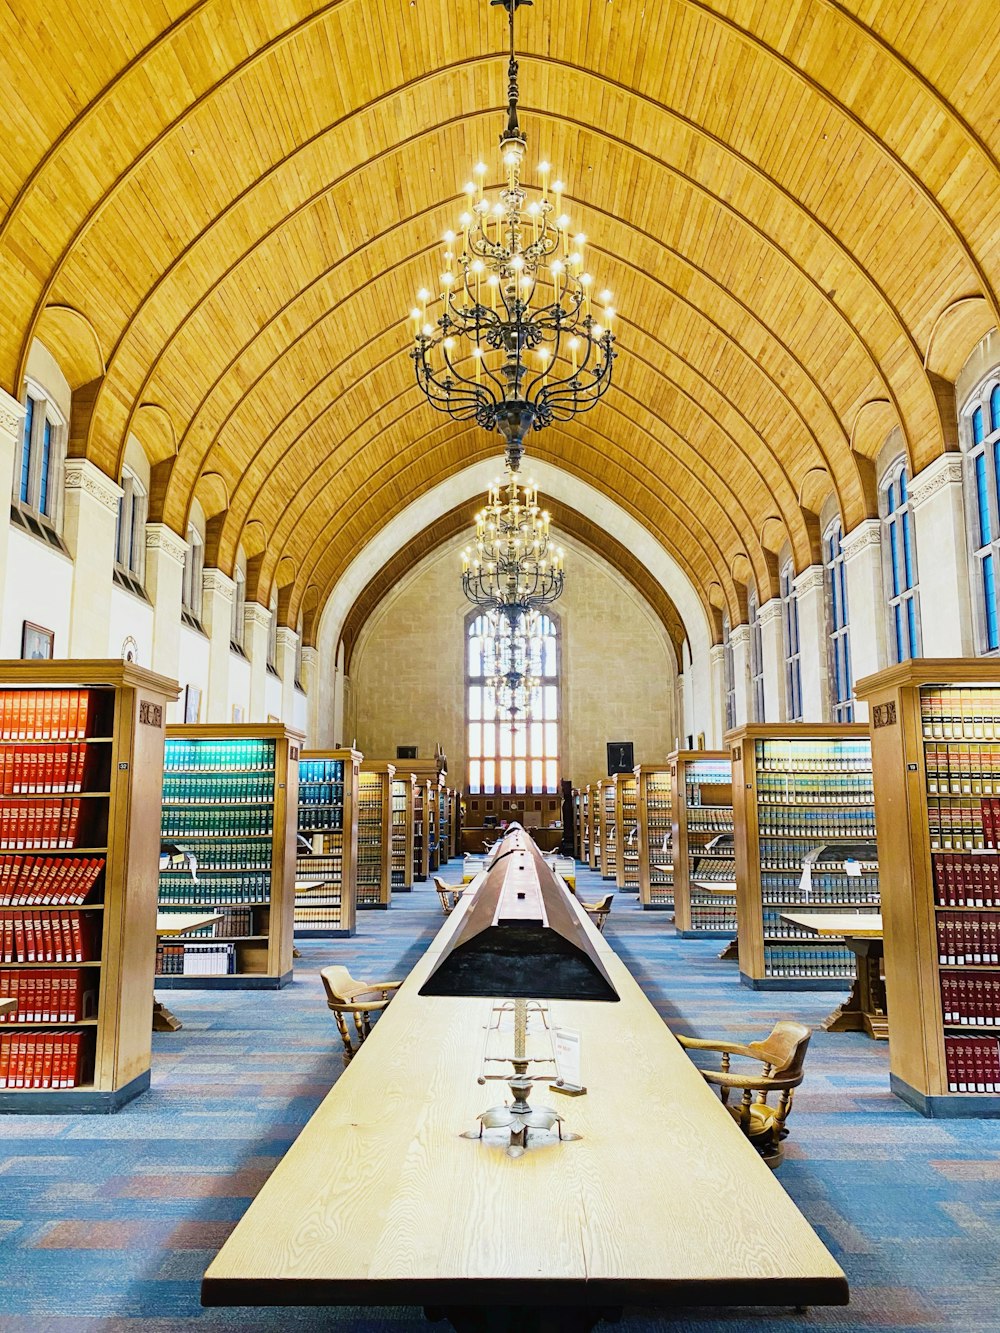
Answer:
(514, 565)
(510, 351)
(513, 662)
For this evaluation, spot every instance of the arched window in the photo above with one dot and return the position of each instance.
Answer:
(790, 640)
(505, 755)
(130, 533)
(756, 658)
(239, 610)
(982, 451)
(729, 673)
(841, 683)
(272, 636)
(194, 566)
(899, 561)
(37, 489)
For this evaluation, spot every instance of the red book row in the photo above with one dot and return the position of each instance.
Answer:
(54, 995)
(966, 879)
(45, 937)
(47, 881)
(968, 937)
(41, 1059)
(31, 769)
(51, 823)
(991, 822)
(972, 1001)
(57, 715)
(972, 1064)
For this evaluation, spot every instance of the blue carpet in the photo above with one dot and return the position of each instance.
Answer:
(107, 1223)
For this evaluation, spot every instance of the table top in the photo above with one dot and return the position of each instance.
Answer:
(856, 925)
(7, 1006)
(179, 923)
(663, 867)
(662, 1201)
(726, 886)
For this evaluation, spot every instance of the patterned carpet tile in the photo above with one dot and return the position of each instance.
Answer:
(107, 1223)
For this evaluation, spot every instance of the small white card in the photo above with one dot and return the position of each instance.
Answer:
(566, 1049)
(852, 868)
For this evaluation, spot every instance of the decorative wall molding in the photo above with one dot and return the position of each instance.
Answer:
(11, 414)
(946, 470)
(160, 537)
(739, 636)
(810, 580)
(287, 639)
(310, 659)
(215, 583)
(770, 612)
(256, 616)
(866, 536)
(83, 475)
(716, 654)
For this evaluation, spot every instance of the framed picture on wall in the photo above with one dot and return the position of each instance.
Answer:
(406, 752)
(37, 643)
(620, 757)
(192, 703)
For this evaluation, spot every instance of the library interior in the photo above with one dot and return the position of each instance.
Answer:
(543, 684)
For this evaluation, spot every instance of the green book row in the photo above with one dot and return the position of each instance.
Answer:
(234, 755)
(217, 788)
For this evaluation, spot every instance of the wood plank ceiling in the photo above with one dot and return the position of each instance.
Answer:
(216, 215)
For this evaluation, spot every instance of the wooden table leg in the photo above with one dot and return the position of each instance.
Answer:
(864, 1010)
(163, 1019)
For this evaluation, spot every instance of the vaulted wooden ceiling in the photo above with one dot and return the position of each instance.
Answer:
(215, 215)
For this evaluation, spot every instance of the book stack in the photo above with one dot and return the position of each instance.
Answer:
(193, 958)
(42, 1060)
(321, 822)
(419, 793)
(609, 846)
(627, 831)
(401, 871)
(655, 815)
(50, 995)
(45, 880)
(372, 793)
(46, 937)
(705, 848)
(972, 1064)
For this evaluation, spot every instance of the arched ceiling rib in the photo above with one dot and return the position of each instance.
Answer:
(238, 202)
(456, 523)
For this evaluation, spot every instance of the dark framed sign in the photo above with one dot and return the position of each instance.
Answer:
(620, 757)
(406, 752)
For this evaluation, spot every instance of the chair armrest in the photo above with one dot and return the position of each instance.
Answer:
(756, 1083)
(698, 1044)
(383, 985)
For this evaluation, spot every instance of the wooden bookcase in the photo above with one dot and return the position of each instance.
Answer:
(605, 818)
(653, 812)
(374, 871)
(230, 797)
(626, 832)
(935, 728)
(590, 836)
(326, 875)
(426, 815)
(444, 825)
(403, 785)
(577, 824)
(81, 766)
(797, 787)
(702, 800)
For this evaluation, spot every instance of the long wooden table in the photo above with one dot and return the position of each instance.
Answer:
(380, 1201)
(865, 1009)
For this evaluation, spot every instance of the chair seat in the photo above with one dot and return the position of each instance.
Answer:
(762, 1119)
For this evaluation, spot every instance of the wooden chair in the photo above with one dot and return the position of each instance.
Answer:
(782, 1055)
(448, 893)
(345, 996)
(598, 911)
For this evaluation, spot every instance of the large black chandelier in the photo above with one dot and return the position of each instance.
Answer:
(516, 345)
(513, 566)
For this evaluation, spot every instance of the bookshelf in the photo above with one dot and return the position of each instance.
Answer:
(577, 824)
(702, 799)
(326, 893)
(653, 812)
(375, 830)
(230, 799)
(402, 832)
(81, 762)
(626, 832)
(800, 790)
(587, 826)
(605, 816)
(444, 825)
(426, 853)
(935, 727)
